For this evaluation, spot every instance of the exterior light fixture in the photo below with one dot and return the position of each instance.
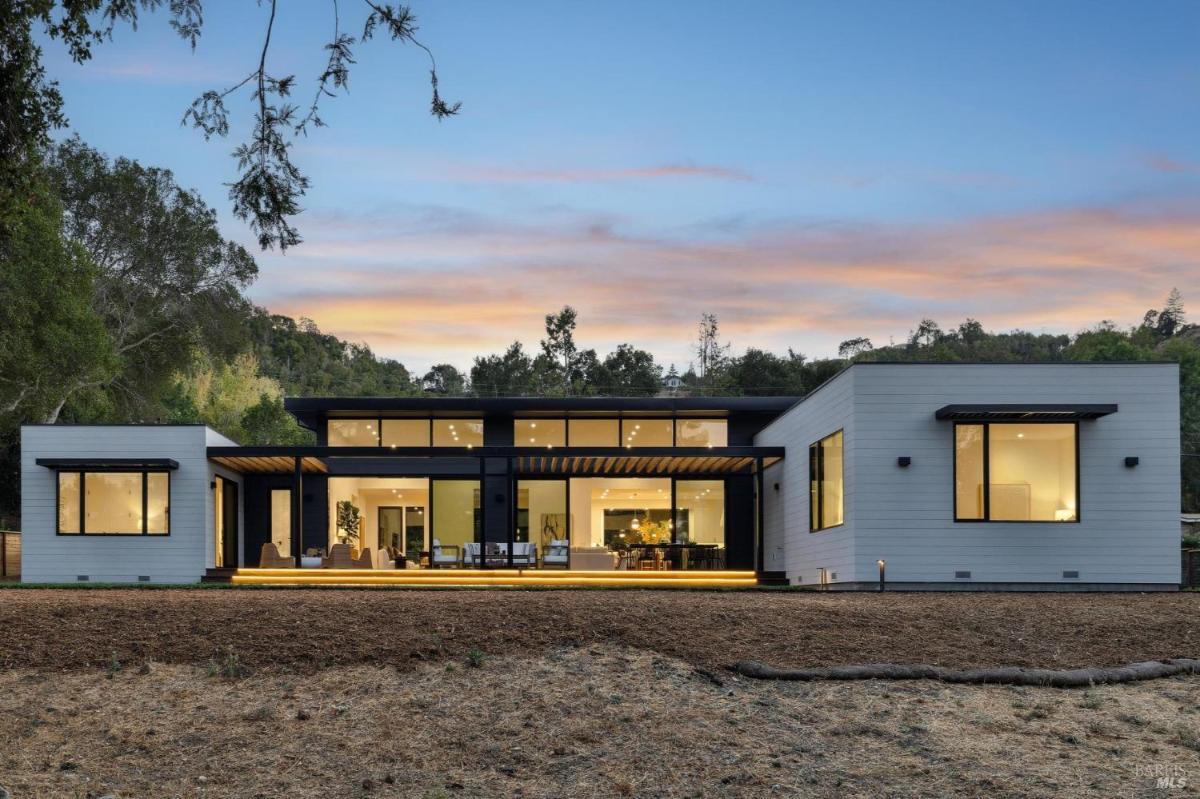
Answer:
(904, 461)
(882, 573)
(1131, 461)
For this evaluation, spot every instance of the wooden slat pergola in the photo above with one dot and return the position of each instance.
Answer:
(270, 464)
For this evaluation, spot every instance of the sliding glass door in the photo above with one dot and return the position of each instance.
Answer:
(542, 523)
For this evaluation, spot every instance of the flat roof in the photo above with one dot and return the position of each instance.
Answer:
(539, 405)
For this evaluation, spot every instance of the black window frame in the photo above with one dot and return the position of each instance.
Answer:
(82, 474)
(987, 488)
(816, 474)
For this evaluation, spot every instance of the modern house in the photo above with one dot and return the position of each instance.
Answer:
(970, 476)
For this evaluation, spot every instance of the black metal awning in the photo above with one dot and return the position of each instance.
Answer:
(108, 464)
(1064, 412)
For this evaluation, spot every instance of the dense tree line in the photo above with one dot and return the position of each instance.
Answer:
(120, 301)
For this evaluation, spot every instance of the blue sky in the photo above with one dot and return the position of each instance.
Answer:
(808, 171)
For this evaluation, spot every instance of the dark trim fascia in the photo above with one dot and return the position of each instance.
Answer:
(565, 405)
(494, 452)
(108, 464)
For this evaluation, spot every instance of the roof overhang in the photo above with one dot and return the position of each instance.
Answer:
(525, 460)
(267, 464)
(108, 464)
(1024, 412)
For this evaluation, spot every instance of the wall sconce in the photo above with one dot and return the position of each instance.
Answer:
(903, 461)
(212, 486)
(1131, 461)
(882, 573)
(777, 486)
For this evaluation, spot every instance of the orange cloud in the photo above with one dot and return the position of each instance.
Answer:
(1162, 163)
(429, 285)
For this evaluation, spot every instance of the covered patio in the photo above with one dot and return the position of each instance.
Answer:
(500, 515)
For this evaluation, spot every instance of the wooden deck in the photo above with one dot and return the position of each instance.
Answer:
(510, 578)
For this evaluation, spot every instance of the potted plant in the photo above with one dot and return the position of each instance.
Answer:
(348, 522)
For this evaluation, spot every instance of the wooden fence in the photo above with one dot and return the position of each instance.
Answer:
(10, 553)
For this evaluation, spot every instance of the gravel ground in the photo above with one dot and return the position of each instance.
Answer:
(64, 629)
(589, 721)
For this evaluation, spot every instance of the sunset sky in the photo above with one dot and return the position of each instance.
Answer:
(809, 172)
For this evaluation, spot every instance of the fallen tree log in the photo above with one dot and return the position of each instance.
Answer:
(1002, 675)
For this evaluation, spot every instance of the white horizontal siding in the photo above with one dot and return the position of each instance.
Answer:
(181, 556)
(788, 545)
(1128, 532)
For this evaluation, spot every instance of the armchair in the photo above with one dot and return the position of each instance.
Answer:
(271, 559)
(558, 554)
(443, 555)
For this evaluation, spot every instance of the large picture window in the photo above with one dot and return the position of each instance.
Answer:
(825, 472)
(114, 503)
(1013, 472)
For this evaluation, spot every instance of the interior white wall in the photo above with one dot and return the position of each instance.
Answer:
(588, 508)
(371, 493)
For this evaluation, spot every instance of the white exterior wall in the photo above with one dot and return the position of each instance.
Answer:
(182, 556)
(788, 545)
(1128, 530)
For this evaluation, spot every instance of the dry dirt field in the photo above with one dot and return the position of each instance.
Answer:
(577, 694)
(65, 629)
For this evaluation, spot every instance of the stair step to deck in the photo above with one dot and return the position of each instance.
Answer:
(218, 576)
(772, 578)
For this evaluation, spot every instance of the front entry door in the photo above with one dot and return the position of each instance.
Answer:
(229, 510)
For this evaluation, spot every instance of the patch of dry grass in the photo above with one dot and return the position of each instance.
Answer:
(65, 629)
(592, 720)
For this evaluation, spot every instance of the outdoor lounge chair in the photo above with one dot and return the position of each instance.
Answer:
(443, 555)
(470, 555)
(269, 558)
(524, 553)
(340, 557)
(557, 554)
(363, 559)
